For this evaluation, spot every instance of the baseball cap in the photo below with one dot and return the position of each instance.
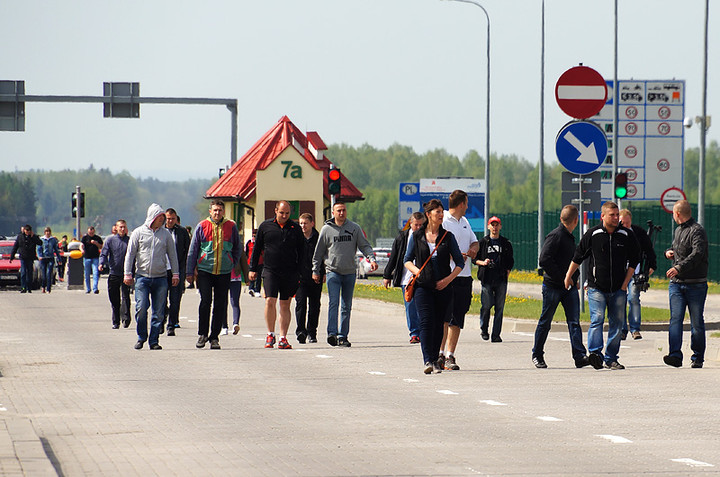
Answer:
(494, 219)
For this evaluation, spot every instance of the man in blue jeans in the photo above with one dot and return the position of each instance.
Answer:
(555, 257)
(338, 241)
(688, 285)
(150, 249)
(614, 253)
(90, 246)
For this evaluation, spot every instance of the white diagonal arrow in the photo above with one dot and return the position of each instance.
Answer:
(587, 153)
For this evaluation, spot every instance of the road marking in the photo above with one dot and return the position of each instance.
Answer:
(247, 336)
(3, 409)
(192, 321)
(614, 439)
(490, 402)
(323, 356)
(692, 462)
(549, 419)
(446, 391)
(376, 373)
(410, 380)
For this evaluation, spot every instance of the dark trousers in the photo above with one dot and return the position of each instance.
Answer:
(119, 295)
(26, 273)
(175, 293)
(492, 295)
(254, 285)
(213, 293)
(307, 303)
(432, 307)
(552, 297)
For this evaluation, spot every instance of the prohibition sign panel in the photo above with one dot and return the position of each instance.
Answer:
(581, 92)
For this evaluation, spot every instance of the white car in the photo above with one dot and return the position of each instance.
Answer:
(382, 256)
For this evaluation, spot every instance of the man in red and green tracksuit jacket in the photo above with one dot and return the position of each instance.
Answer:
(215, 249)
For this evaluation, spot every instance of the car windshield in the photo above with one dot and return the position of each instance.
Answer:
(5, 250)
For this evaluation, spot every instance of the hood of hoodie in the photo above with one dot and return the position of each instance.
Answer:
(152, 213)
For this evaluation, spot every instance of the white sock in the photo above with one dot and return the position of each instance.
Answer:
(449, 355)
(272, 333)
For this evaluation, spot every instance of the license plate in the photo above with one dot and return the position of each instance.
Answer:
(8, 277)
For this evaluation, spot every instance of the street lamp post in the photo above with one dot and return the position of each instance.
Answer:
(486, 209)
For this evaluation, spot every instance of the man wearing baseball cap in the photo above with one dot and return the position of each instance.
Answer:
(494, 261)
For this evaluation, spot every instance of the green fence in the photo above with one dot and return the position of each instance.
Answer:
(521, 230)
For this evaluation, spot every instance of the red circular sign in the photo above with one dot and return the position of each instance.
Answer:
(631, 128)
(669, 197)
(631, 174)
(663, 165)
(664, 129)
(581, 92)
(631, 112)
(630, 151)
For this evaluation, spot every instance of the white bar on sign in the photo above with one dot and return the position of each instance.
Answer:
(581, 92)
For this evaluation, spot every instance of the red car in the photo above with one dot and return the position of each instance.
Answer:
(10, 272)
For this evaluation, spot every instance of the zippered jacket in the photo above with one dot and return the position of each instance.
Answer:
(283, 247)
(151, 249)
(214, 248)
(610, 256)
(26, 247)
(113, 254)
(690, 245)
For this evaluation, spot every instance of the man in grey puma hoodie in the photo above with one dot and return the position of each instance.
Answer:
(149, 250)
(338, 241)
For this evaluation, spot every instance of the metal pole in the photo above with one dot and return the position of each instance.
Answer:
(582, 222)
(703, 126)
(78, 233)
(233, 133)
(616, 96)
(541, 161)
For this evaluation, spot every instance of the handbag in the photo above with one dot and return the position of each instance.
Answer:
(410, 287)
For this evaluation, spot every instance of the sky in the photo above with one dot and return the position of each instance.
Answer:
(379, 72)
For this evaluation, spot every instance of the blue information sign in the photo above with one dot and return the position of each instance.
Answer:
(409, 195)
(581, 147)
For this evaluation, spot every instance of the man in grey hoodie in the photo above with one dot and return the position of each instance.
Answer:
(150, 248)
(338, 241)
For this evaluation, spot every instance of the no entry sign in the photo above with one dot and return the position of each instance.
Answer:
(581, 92)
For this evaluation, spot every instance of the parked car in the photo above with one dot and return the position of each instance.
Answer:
(382, 256)
(10, 272)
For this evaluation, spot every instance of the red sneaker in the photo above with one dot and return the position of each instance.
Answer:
(414, 339)
(283, 344)
(269, 341)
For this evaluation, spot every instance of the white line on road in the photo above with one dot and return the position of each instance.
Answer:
(3, 409)
(247, 336)
(410, 380)
(376, 373)
(549, 419)
(614, 439)
(692, 463)
(446, 391)
(323, 356)
(490, 402)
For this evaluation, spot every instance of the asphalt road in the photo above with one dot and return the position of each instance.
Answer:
(77, 399)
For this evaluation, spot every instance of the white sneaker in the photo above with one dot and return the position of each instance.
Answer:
(251, 293)
(236, 329)
(224, 331)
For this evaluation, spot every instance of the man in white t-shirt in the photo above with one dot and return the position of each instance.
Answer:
(455, 222)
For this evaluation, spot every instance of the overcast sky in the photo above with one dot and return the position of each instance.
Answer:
(370, 71)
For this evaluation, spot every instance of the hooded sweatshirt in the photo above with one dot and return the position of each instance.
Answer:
(149, 248)
(336, 248)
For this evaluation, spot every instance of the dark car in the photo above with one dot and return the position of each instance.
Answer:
(10, 272)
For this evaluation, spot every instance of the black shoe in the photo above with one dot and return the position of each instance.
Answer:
(301, 337)
(696, 364)
(139, 344)
(342, 341)
(539, 363)
(496, 339)
(202, 339)
(126, 323)
(171, 331)
(332, 340)
(614, 365)
(155, 346)
(29, 290)
(596, 360)
(582, 362)
(439, 365)
(673, 361)
(23, 291)
(96, 291)
(485, 336)
(115, 327)
(214, 344)
(312, 339)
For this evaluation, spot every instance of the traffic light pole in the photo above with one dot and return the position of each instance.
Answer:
(77, 215)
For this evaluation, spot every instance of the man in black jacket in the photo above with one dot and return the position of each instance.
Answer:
(688, 285)
(181, 237)
(648, 253)
(555, 257)
(396, 273)
(614, 254)
(26, 243)
(307, 297)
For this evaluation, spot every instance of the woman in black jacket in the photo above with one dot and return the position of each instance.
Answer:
(432, 295)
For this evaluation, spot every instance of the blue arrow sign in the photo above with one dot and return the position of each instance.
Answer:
(581, 146)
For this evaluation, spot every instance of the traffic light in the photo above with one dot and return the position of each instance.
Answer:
(78, 204)
(334, 181)
(621, 185)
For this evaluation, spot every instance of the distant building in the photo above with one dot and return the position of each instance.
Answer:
(282, 164)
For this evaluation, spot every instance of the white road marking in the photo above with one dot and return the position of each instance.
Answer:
(692, 462)
(376, 373)
(323, 356)
(490, 402)
(446, 391)
(524, 334)
(192, 321)
(410, 380)
(614, 439)
(247, 336)
(3, 409)
(549, 419)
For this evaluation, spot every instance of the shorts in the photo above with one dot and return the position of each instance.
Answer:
(461, 298)
(285, 285)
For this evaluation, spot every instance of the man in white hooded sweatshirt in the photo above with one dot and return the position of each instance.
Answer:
(150, 248)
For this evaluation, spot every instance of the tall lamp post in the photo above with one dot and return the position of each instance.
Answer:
(486, 209)
(703, 127)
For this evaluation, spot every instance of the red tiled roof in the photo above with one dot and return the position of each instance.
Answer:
(239, 181)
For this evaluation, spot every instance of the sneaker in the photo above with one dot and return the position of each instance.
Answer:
(438, 366)
(441, 360)
(582, 362)
(596, 360)
(696, 364)
(428, 368)
(270, 341)
(673, 361)
(414, 339)
(332, 340)
(301, 337)
(342, 341)
(202, 339)
(539, 362)
(636, 335)
(236, 329)
(251, 293)
(450, 364)
(155, 346)
(283, 344)
(224, 331)
(214, 344)
(115, 327)
(614, 365)
(176, 325)
(485, 336)
(312, 339)
(171, 331)
(496, 339)
(139, 344)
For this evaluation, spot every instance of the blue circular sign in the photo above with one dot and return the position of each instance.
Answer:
(581, 147)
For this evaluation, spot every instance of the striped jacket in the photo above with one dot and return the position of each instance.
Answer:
(215, 247)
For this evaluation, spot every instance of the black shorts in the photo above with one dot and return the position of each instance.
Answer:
(283, 284)
(461, 298)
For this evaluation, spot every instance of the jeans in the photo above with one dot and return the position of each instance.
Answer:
(307, 302)
(26, 273)
(692, 296)
(492, 295)
(146, 289)
(570, 300)
(432, 307)
(213, 293)
(235, 290)
(91, 264)
(119, 295)
(615, 303)
(411, 314)
(338, 285)
(47, 265)
(633, 316)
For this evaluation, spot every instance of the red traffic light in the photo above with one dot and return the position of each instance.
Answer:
(334, 175)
